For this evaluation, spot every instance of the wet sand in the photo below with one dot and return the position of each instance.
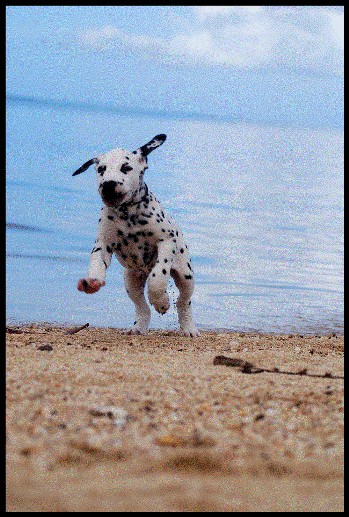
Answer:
(103, 421)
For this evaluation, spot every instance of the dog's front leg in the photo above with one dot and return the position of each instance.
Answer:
(160, 275)
(99, 262)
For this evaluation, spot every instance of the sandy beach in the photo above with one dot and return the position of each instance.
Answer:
(99, 420)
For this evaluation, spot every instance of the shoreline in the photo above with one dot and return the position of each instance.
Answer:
(320, 332)
(99, 420)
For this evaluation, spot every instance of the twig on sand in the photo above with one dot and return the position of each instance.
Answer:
(9, 330)
(246, 367)
(76, 329)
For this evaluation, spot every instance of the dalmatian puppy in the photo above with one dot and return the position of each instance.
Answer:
(146, 241)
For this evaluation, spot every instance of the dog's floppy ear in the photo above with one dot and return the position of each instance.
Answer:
(150, 146)
(85, 166)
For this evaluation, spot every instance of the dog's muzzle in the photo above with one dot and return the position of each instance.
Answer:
(110, 196)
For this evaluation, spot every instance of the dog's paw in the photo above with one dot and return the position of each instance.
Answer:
(90, 285)
(137, 331)
(160, 303)
(190, 331)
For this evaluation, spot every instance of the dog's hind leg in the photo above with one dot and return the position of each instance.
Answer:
(185, 284)
(134, 283)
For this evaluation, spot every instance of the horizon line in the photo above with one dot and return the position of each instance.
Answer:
(169, 115)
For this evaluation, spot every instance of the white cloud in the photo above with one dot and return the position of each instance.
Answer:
(299, 37)
(106, 37)
(98, 38)
(337, 22)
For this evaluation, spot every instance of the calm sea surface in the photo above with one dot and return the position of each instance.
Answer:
(261, 208)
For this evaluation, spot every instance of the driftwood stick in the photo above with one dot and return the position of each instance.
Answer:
(76, 329)
(246, 367)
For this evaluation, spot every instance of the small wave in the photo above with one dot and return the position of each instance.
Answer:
(25, 228)
(120, 110)
(44, 257)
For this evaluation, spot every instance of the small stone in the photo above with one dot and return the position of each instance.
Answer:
(48, 348)
(118, 415)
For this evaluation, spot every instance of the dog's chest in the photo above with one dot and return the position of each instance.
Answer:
(135, 249)
(133, 233)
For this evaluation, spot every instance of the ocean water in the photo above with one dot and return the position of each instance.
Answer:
(261, 208)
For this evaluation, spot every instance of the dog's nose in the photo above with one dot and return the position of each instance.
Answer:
(108, 189)
(110, 194)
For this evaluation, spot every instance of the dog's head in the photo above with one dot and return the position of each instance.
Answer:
(120, 172)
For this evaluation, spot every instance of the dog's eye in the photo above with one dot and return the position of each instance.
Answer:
(125, 168)
(101, 169)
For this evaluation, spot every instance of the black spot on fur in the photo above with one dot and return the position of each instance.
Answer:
(111, 217)
(188, 277)
(164, 271)
(125, 168)
(133, 236)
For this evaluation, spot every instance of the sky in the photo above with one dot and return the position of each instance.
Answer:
(278, 65)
